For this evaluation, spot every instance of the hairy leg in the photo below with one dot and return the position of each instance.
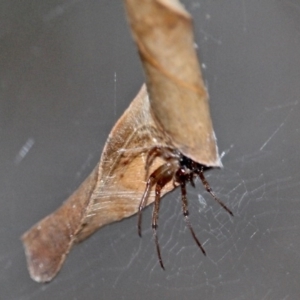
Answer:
(154, 178)
(164, 177)
(209, 190)
(165, 153)
(186, 213)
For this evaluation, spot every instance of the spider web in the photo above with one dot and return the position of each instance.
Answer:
(236, 247)
(242, 252)
(250, 54)
(247, 254)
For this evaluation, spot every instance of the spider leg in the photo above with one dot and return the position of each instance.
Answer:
(186, 214)
(209, 190)
(165, 176)
(158, 151)
(152, 154)
(153, 179)
(154, 223)
(191, 179)
(150, 183)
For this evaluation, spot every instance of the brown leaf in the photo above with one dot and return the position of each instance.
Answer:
(122, 174)
(49, 241)
(111, 192)
(162, 30)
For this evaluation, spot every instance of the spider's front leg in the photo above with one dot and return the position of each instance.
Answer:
(154, 178)
(160, 177)
(165, 177)
(170, 155)
(164, 152)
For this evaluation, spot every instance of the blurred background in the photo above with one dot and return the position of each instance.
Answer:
(68, 70)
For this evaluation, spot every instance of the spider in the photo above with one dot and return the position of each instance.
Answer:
(180, 169)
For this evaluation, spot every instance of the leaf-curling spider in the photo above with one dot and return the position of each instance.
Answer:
(180, 169)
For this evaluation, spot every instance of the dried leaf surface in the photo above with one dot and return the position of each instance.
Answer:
(162, 30)
(111, 192)
(122, 174)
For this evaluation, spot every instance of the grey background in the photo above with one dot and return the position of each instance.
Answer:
(68, 69)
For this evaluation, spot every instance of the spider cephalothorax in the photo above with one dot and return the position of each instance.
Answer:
(181, 170)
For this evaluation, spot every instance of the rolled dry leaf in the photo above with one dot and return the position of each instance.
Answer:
(162, 30)
(111, 192)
